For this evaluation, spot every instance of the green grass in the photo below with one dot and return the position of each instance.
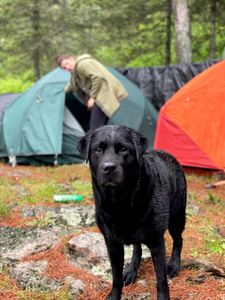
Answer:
(82, 188)
(39, 185)
(36, 192)
(4, 209)
(7, 196)
(214, 199)
(198, 178)
(216, 246)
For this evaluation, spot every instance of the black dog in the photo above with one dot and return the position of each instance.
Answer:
(138, 196)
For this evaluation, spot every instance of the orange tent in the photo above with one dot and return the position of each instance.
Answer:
(191, 124)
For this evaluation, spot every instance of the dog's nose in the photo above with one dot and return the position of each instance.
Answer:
(108, 167)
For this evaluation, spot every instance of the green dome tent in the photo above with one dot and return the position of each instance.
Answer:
(43, 125)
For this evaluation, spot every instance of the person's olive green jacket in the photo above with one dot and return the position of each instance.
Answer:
(91, 78)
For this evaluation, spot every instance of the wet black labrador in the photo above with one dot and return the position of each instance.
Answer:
(138, 196)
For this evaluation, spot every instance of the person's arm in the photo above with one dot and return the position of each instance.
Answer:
(96, 83)
(91, 72)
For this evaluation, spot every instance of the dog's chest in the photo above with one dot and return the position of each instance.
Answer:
(128, 228)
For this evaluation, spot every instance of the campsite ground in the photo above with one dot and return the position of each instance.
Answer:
(202, 276)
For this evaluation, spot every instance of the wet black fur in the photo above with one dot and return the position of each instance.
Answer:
(138, 196)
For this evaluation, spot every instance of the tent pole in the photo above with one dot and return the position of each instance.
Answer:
(56, 160)
(12, 160)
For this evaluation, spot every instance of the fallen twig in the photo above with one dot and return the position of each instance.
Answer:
(214, 185)
(206, 265)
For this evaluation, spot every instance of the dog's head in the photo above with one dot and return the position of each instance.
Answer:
(114, 153)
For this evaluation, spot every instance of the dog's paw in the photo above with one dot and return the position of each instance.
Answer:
(115, 294)
(113, 297)
(173, 270)
(110, 297)
(129, 276)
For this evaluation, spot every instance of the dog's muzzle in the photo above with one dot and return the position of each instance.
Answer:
(110, 174)
(109, 168)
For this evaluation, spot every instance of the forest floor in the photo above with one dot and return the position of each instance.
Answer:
(26, 189)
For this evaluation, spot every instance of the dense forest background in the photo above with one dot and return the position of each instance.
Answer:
(119, 33)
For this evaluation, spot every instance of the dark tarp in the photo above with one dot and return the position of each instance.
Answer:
(158, 84)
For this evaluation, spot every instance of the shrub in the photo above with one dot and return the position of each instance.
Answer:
(12, 84)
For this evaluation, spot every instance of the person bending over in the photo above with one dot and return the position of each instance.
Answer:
(94, 85)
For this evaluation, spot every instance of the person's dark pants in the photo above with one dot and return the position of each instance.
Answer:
(97, 118)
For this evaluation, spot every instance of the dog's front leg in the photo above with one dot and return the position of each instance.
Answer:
(116, 256)
(157, 248)
(131, 271)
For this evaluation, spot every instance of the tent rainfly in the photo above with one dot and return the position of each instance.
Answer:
(43, 125)
(191, 124)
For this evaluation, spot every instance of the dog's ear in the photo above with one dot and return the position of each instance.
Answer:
(140, 143)
(84, 145)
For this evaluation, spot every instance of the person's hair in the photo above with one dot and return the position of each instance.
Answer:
(60, 57)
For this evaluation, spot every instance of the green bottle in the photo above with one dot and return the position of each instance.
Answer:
(67, 198)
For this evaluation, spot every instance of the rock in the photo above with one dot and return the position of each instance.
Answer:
(89, 243)
(65, 215)
(34, 211)
(39, 241)
(88, 251)
(78, 215)
(75, 286)
(30, 275)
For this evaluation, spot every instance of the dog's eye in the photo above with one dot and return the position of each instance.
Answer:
(98, 150)
(123, 149)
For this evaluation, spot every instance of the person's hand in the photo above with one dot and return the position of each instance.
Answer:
(90, 103)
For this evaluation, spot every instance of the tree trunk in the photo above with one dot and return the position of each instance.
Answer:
(182, 30)
(168, 33)
(36, 40)
(213, 13)
(64, 25)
